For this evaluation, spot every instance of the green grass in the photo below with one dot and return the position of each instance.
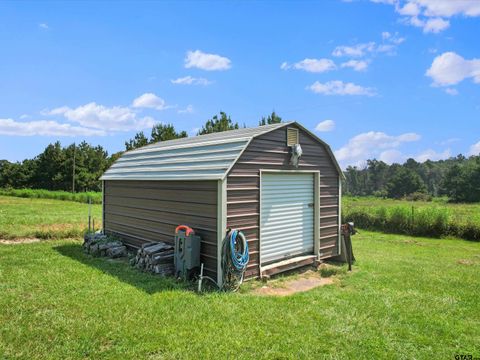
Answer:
(83, 197)
(408, 298)
(44, 218)
(51, 218)
(437, 218)
(458, 212)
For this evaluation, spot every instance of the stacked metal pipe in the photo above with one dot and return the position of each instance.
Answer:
(98, 244)
(155, 257)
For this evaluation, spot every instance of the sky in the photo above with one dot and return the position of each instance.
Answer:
(384, 79)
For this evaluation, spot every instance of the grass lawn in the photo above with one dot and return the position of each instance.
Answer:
(94, 197)
(407, 298)
(44, 218)
(458, 212)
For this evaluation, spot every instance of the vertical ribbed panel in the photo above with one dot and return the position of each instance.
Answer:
(287, 216)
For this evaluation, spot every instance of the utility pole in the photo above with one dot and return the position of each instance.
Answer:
(73, 175)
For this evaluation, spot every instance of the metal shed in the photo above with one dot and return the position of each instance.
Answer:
(239, 179)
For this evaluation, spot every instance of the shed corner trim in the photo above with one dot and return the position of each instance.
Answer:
(221, 225)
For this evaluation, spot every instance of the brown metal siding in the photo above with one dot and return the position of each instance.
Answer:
(143, 211)
(269, 151)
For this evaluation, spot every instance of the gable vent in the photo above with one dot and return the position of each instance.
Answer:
(292, 136)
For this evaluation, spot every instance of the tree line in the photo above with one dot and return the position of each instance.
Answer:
(78, 167)
(217, 123)
(458, 178)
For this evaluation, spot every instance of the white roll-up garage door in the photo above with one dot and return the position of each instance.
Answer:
(287, 216)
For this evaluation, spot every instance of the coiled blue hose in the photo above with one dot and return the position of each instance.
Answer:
(239, 258)
(234, 260)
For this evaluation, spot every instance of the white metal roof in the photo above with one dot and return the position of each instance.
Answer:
(203, 157)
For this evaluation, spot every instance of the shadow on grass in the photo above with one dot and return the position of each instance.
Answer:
(120, 269)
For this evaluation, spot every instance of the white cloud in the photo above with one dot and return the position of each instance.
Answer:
(24, 116)
(57, 111)
(204, 61)
(396, 156)
(190, 80)
(435, 25)
(371, 145)
(407, 137)
(433, 15)
(397, 40)
(432, 155)
(389, 49)
(326, 125)
(409, 9)
(357, 50)
(151, 101)
(338, 87)
(475, 149)
(45, 128)
(386, 35)
(389, 46)
(450, 68)
(96, 116)
(392, 156)
(187, 110)
(379, 145)
(449, 8)
(414, 21)
(449, 141)
(311, 65)
(43, 26)
(451, 91)
(357, 65)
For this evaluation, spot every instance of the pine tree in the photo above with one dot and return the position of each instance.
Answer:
(218, 124)
(273, 118)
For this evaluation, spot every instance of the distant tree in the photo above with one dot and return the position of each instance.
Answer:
(4, 164)
(159, 132)
(377, 176)
(462, 182)
(53, 168)
(218, 124)
(90, 163)
(50, 168)
(352, 181)
(412, 164)
(162, 132)
(404, 182)
(138, 141)
(273, 118)
(17, 175)
(113, 158)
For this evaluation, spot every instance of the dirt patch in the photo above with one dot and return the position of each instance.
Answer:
(30, 240)
(19, 241)
(465, 262)
(294, 286)
(58, 227)
(414, 242)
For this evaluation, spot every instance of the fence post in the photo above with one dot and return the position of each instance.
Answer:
(89, 214)
(412, 220)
